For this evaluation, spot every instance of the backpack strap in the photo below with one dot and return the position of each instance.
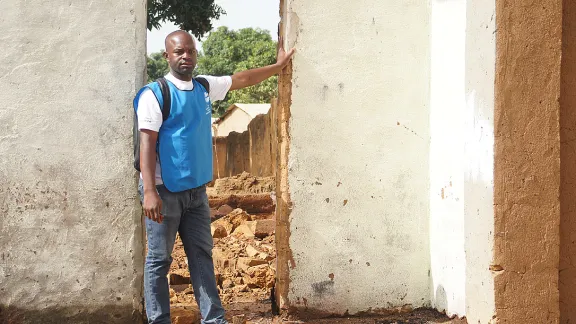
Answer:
(204, 83)
(166, 104)
(166, 98)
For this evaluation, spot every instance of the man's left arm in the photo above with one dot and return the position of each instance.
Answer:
(254, 76)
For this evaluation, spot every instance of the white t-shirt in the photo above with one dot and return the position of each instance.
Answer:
(150, 114)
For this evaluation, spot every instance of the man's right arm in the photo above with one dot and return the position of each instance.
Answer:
(149, 122)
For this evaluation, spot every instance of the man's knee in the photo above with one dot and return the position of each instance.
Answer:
(158, 262)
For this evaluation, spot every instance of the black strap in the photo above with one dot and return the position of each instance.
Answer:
(204, 83)
(166, 98)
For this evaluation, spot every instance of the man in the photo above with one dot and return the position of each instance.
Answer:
(175, 164)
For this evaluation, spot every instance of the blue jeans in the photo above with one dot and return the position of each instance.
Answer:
(187, 213)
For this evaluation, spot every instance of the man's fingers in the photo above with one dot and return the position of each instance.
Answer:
(158, 213)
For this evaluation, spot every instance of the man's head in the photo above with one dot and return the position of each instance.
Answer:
(181, 54)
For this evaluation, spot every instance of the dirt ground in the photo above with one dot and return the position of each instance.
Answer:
(245, 258)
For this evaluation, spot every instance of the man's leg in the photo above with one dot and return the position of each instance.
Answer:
(160, 238)
(197, 239)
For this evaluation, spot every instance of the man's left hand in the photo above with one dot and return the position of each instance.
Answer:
(283, 56)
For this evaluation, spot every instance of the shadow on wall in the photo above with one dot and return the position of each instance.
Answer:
(108, 314)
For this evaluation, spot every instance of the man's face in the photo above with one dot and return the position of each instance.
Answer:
(181, 54)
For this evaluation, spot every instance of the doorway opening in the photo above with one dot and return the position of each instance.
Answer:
(242, 193)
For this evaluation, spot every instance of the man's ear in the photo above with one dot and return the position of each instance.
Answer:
(165, 55)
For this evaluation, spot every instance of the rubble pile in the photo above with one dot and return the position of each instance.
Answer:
(244, 251)
(243, 184)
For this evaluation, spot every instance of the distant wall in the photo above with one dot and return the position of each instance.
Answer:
(253, 151)
(70, 223)
(236, 121)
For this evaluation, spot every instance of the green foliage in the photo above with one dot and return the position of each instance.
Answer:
(157, 66)
(193, 16)
(228, 51)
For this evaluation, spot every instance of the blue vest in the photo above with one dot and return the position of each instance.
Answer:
(184, 145)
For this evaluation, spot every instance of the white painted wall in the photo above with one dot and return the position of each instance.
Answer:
(479, 158)
(359, 171)
(461, 157)
(447, 199)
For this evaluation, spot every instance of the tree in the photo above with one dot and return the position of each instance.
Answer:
(157, 66)
(227, 51)
(193, 16)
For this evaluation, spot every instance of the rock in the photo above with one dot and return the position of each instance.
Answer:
(245, 230)
(245, 263)
(218, 277)
(224, 210)
(251, 203)
(184, 314)
(179, 288)
(243, 183)
(238, 281)
(251, 251)
(227, 283)
(241, 288)
(182, 277)
(225, 264)
(238, 217)
(258, 276)
(267, 247)
(263, 228)
(218, 231)
(218, 253)
(239, 319)
(224, 223)
(214, 214)
(172, 293)
(265, 256)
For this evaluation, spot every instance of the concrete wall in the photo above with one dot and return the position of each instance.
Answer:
(71, 226)
(253, 151)
(358, 171)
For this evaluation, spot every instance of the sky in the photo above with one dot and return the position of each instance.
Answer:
(239, 14)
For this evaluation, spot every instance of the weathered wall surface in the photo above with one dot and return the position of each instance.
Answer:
(70, 225)
(358, 171)
(253, 151)
(447, 182)
(567, 269)
(527, 161)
